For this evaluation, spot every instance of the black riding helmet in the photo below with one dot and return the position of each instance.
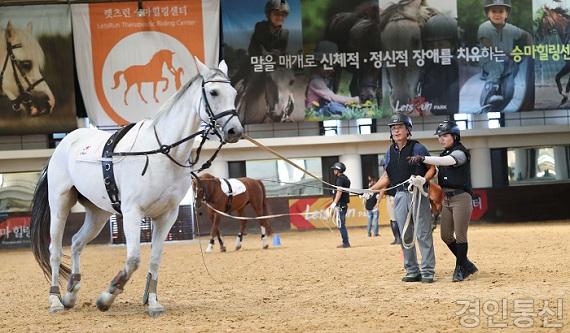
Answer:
(400, 118)
(339, 166)
(492, 3)
(448, 127)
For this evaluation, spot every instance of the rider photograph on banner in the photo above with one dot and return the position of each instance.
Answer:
(419, 41)
(342, 82)
(36, 63)
(552, 68)
(260, 39)
(496, 74)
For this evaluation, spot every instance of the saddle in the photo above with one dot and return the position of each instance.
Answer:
(107, 164)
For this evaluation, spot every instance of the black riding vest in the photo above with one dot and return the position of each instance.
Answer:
(456, 177)
(399, 169)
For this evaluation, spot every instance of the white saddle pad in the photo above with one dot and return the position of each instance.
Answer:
(237, 186)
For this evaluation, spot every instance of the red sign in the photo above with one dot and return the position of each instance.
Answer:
(479, 204)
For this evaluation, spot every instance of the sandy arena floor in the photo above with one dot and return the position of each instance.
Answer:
(306, 285)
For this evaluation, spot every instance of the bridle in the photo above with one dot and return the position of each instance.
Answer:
(25, 96)
(212, 127)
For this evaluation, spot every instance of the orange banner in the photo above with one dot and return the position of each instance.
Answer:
(139, 57)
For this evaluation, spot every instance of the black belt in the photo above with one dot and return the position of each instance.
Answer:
(450, 194)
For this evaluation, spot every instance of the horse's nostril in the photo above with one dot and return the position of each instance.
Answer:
(231, 131)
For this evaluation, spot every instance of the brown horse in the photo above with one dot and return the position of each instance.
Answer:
(150, 72)
(210, 191)
(436, 202)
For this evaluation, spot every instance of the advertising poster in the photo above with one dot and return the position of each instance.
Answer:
(37, 70)
(130, 60)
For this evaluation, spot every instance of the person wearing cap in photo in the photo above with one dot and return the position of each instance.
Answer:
(269, 35)
(320, 93)
(398, 171)
(497, 33)
(340, 202)
(454, 177)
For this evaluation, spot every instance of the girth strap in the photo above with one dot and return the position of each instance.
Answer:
(107, 164)
(230, 196)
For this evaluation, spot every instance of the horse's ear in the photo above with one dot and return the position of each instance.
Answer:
(202, 69)
(29, 27)
(223, 67)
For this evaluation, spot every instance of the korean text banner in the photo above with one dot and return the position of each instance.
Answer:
(294, 60)
(130, 62)
(36, 62)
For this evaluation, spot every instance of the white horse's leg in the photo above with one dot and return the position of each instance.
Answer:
(162, 226)
(60, 203)
(95, 220)
(131, 225)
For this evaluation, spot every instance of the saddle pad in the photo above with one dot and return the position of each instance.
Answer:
(237, 186)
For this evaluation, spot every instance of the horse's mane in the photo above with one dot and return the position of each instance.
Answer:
(398, 10)
(31, 45)
(345, 25)
(178, 95)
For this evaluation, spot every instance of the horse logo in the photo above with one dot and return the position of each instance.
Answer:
(21, 78)
(150, 72)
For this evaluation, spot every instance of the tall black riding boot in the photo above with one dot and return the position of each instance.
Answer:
(470, 268)
(459, 274)
(396, 232)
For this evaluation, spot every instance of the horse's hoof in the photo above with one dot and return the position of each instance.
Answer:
(266, 246)
(56, 308)
(155, 311)
(104, 301)
(209, 249)
(238, 247)
(55, 304)
(223, 249)
(69, 300)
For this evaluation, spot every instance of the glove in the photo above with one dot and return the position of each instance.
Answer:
(417, 181)
(417, 159)
(332, 206)
(367, 195)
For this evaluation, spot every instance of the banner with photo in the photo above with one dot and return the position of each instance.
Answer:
(131, 60)
(312, 60)
(36, 63)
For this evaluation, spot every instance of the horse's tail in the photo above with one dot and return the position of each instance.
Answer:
(117, 79)
(265, 207)
(40, 227)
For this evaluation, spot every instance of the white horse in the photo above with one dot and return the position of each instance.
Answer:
(70, 176)
(21, 62)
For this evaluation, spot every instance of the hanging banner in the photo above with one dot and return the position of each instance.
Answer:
(552, 53)
(36, 63)
(495, 75)
(131, 60)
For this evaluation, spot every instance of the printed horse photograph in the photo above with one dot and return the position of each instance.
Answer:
(231, 196)
(267, 97)
(406, 26)
(552, 27)
(23, 60)
(150, 72)
(36, 73)
(146, 173)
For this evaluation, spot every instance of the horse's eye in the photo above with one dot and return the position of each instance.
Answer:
(25, 65)
(214, 93)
